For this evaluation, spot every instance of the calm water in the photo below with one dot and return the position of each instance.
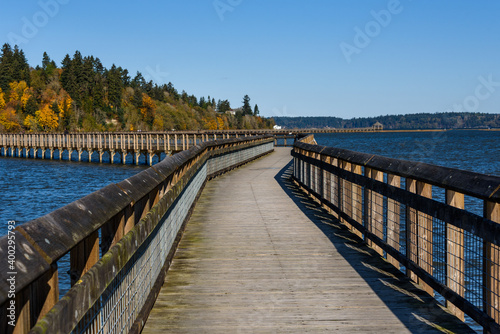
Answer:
(477, 151)
(31, 188)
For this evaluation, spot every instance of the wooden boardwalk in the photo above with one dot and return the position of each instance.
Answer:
(259, 257)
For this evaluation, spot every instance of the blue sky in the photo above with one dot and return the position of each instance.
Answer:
(340, 58)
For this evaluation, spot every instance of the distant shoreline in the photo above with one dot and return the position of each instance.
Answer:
(438, 130)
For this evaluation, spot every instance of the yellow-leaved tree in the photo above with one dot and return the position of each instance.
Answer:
(148, 109)
(210, 123)
(8, 120)
(47, 118)
(2, 99)
(64, 103)
(31, 123)
(20, 93)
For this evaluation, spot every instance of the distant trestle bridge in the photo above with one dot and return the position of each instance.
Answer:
(115, 147)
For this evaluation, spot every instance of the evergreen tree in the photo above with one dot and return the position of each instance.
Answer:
(20, 66)
(223, 106)
(203, 102)
(184, 96)
(31, 106)
(55, 108)
(6, 59)
(48, 67)
(66, 66)
(138, 81)
(45, 60)
(246, 109)
(13, 66)
(256, 110)
(137, 99)
(115, 86)
(125, 77)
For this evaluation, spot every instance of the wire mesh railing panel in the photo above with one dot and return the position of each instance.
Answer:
(421, 229)
(118, 307)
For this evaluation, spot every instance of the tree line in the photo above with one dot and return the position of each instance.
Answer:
(445, 120)
(82, 95)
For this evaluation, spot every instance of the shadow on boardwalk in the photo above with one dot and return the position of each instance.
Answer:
(418, 311)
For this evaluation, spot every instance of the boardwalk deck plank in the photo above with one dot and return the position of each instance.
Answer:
(258, 257)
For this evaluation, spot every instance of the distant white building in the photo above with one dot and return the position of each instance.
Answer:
(277, 127)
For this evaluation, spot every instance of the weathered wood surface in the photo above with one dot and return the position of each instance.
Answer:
(260, 257)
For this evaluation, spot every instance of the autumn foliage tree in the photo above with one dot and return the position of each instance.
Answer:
(82, 95)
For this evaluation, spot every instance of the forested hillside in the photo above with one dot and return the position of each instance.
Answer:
(449, 120)
(82, 95)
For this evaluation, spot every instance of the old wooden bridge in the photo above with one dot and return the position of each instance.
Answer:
(309, 239)
(120, 147)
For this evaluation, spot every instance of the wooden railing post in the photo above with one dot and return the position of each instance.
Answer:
(455, 262)
(44, 293)
(411, 230)
(324, 180)
(308, 171)
(357, 200)
(393, 221)
(113, 231)
(346, 198)
(316, 174)
(302, 168)
(492, 266)
(327, 180)
(424, 243)
(374, 209)
(84, 256)
(24, 320)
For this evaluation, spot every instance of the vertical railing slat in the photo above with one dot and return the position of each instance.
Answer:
(455, 263)
(492, 266)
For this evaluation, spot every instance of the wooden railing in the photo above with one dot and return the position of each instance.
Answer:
(73, 146)
(120, 240)
(448, 249)
(118, 145)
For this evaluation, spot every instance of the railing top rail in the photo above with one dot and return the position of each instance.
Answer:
(43, 241)
(486, 187)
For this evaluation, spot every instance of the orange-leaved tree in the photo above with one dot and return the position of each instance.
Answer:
(55, 111)
(47, 118)
(2, 99)
(148, 109)
(19, 94)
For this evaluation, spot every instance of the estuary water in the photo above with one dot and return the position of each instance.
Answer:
(473, 150)
(31, 188)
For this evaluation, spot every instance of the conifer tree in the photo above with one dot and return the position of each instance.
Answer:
(20, 67)
(256, 110)
(5, 67)
(115, 84)
(246, 109)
